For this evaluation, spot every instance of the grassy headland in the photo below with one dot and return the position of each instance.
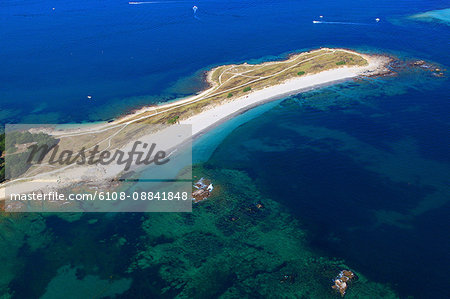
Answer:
(232, 81)
(232, 87)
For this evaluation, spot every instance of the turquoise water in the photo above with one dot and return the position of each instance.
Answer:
(351, 176)
(126, 56)
(442, 15)
(365, 169)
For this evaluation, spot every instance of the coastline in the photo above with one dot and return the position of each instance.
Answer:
(262, 102)
(376, 66)
(333, 190)
(211, 118)
(200, 122)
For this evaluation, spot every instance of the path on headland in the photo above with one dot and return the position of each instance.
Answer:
(203, 121)
(162, 109)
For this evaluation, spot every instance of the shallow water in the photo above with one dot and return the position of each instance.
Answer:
(126, 56)
(442, 15)
(354, 175)
(366, 171)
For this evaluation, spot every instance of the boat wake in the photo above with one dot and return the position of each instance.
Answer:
(340, 23)
(153, 2)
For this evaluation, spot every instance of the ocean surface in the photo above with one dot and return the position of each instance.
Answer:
(356, 174)
(440, 15)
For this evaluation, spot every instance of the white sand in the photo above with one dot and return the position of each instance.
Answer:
(200, 122)
(208, 118)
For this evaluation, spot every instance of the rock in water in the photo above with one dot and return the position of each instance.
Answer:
(342, 280)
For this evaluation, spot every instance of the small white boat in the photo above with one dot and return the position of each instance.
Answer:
(316, 22)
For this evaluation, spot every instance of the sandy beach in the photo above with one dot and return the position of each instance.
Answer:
(201, 122)
(211, 117)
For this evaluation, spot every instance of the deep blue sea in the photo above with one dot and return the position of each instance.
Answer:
(365, 166)
(126, 56)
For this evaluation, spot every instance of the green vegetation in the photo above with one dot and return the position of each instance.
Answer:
(229, 95)
(301, 73)
(227, 79)
(342, 62)
(18, 151)
(173, 120)
(229, 236)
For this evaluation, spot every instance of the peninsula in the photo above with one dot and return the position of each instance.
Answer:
(233, 89)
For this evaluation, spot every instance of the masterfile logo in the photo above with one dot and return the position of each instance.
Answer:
(123, 168)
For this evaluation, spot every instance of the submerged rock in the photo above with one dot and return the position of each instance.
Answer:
(342, 280)
(435, 70)
(202, 190)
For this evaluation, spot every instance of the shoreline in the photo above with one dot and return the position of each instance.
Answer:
(213, 117)
(376, 69)
(262, 102)
(201, 122)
